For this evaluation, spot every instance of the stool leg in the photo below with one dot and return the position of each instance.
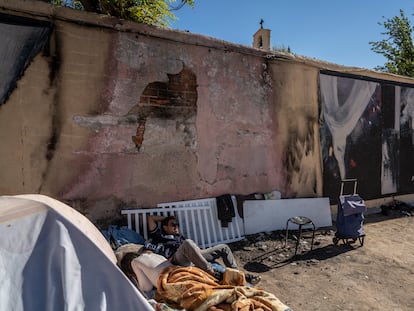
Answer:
(286, 236)
(313, 235)
(299, 237)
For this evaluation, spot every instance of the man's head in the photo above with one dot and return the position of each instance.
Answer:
(170, 225)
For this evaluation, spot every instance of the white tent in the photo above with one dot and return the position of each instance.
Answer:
(54, 258)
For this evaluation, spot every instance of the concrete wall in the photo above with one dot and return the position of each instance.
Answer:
(121, 114)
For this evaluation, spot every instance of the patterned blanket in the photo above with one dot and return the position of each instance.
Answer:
(191, 288)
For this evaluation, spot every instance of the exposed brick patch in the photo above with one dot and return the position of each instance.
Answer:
(179, 91)
(172, 99)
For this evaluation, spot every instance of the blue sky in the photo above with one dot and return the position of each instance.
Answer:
(329, 30)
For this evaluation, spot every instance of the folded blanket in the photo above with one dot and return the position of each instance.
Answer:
(191, 288)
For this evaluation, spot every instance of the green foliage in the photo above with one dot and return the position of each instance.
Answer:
(75, 4)
(153, 12)
(397, 47)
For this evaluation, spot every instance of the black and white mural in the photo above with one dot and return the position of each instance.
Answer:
(366, 132)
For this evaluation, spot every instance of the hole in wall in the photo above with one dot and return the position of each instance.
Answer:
(176, 98)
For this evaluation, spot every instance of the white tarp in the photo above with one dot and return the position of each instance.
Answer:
(54, 258)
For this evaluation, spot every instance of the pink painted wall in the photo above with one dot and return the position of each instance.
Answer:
(224, 147)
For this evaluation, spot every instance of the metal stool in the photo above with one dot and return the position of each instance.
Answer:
(300, 221)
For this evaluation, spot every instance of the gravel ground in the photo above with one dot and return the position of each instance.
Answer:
(377, 274)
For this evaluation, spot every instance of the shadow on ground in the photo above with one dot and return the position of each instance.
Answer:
(258, 263)
(280, 256)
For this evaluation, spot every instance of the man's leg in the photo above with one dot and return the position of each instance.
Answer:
(147, 268)
(222, 251)
(189, 253)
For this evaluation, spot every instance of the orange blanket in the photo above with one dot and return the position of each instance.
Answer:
(193, 289)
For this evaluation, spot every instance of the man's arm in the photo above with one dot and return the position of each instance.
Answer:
(152, 221)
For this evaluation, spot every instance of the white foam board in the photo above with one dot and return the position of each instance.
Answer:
(271, 215)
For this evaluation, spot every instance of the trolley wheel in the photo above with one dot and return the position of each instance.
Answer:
(361, 240)
(335, 241)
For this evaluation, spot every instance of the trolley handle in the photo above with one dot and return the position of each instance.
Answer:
(354, 180)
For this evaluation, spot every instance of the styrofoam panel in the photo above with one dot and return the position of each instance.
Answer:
(270, 215)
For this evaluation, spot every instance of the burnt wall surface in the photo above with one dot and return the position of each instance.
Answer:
(119, 115)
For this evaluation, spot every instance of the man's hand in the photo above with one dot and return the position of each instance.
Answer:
(152, 221)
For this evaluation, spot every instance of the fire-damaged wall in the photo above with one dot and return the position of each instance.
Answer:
(111, 114)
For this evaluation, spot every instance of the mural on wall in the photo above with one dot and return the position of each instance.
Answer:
(407, 140)
(366, 133)
(22, 39)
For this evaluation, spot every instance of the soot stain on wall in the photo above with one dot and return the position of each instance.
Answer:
(54, 68)
(300, 145)
(54, 58)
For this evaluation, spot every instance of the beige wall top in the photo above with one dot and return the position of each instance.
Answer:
(261, 39)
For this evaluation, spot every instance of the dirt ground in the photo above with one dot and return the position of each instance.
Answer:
(378, 275)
